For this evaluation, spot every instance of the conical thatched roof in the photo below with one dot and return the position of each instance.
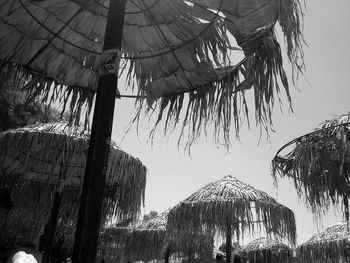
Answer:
(319, 165)
(331, 245)
(171, 47)
(229, 201)
(267, 250)
(39, 159)
(147, 241)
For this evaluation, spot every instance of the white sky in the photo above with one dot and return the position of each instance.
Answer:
(174, 175)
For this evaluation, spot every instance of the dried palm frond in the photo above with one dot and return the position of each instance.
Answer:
(57, 46)
(319, 165)
(230, 202)
(265, 249)
(147, 241)
(36, 161)
(331, 245)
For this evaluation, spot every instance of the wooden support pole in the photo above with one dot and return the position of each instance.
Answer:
(46, 243)
(167, 255)
(228, 242)
(90, 210)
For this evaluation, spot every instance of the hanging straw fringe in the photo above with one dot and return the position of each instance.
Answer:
(31, 161)
(229, 201)
(172, 37)
(319, 166)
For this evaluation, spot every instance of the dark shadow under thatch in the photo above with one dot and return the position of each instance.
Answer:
(39, 160)
(331, 245)
(319, 165)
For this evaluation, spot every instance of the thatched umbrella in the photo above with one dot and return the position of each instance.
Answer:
(43, 165)
(267, 250)
(147, 240)
(331, 245)
(79, 44)
(319, 165)
(230, 207)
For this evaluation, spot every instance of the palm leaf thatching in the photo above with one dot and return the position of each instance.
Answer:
(319, 165)
(36, 161)
(267, 250)
(147, 240)
(231, 204)
(331, 245)
(169, 48)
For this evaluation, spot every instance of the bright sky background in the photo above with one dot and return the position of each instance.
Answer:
(174, 175)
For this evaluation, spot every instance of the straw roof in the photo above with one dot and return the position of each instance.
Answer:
(319, 165)
(267, 250)
(171, 47)
(331, 245)
(141, 241)
(147, 240)
(40, 159)
(229, 201)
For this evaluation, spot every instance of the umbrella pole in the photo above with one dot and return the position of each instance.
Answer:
(167, 255)
(228, 242)
(46, 242)
(90, 210)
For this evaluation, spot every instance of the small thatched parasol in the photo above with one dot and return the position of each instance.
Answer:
(147, 240)
(319, 165)
(267, 250)
(230, 206)
(331, 245)
(43, 165)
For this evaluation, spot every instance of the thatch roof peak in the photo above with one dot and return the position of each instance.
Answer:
(228, 188)
(338, 231)
(265, 249)
(268, 243)
(158, 222)
(331, 245)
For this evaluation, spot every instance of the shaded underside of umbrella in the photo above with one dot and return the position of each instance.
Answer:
(40, 159)
(331, 245)
(147, 241)
(172, 46)
(267, 250)
(230, 203)
(319, 165)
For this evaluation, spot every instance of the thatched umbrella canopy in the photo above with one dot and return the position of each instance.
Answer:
(319, 165)
(267, 250)
(172, 47)
(147, 240)
(231, 207)
(39, 160)
(76, 46)
(331, 245)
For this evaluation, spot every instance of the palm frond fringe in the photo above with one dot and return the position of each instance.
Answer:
(230, 202)
(65, 69)
(267, 250)
(319, 166)
(40, 159)
(331, 245)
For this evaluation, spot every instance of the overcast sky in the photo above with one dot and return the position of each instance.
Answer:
(174, 175)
